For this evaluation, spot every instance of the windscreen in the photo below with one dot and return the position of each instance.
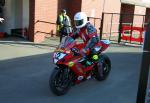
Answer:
(67, 43)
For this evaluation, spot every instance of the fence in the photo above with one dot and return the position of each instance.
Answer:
(123, 27)
(50, 28)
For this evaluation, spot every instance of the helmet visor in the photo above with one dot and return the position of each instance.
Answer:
(78, 22)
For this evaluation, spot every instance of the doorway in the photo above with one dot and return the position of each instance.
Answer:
(127, 12)
(16, 15)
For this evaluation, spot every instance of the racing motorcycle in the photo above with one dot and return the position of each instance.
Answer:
(71, 68)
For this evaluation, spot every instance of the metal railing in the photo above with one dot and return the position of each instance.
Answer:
(111, 21)
(93, 20)
(51, 33)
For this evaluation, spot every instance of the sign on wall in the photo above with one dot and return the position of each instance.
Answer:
(132, 34)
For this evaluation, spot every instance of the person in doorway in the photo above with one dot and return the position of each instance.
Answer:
(1, 20)
(86, 31)
(63, 24)
(1, 12)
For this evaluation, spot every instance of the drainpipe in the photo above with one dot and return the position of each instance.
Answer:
(144, 73)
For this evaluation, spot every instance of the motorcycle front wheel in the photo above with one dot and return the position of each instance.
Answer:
(59, 81)
(103, 68)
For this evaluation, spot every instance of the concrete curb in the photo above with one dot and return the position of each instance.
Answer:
(27, 43)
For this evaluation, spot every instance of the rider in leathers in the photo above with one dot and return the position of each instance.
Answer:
(86, 31)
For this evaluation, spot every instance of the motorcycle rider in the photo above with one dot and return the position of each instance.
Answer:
(86, 31)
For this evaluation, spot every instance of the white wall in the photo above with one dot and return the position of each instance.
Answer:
(25, 13)
(16, 15)
(9, 15)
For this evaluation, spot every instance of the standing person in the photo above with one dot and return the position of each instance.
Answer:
(63, 24)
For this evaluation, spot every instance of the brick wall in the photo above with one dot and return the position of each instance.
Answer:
(73, 6)
(92, 7)
(112, 6)
(138, 20)
(44, 12)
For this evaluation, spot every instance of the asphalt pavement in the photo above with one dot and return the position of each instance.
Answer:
(25, 72)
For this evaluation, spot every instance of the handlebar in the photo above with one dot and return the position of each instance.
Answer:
(75, 51)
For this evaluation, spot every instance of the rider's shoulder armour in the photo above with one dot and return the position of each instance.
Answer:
(90, 28)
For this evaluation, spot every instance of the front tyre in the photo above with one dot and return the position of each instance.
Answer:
(103, 68)
(59, 81)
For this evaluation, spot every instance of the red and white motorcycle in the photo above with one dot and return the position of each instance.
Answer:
(72, 69)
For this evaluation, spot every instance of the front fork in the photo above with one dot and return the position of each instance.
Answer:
(100, 68)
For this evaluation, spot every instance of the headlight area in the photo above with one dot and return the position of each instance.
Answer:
(58, 56)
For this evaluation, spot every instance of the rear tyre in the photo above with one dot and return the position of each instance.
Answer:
(103, 68)
(59, 81)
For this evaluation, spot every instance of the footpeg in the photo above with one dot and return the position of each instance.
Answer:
(89, 77)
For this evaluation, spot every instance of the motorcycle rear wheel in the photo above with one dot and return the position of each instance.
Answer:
(59, 81)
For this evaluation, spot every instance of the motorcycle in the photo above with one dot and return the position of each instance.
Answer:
(72, 69)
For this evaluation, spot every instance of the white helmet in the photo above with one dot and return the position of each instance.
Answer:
(80, 19)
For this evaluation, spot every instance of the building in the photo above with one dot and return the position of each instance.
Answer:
(39, 16)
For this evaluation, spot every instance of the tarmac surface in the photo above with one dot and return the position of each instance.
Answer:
(25, 69)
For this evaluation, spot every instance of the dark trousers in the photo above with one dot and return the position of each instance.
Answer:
(62, 34)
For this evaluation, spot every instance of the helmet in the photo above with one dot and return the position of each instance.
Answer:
(80, 19)
(63, 11)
